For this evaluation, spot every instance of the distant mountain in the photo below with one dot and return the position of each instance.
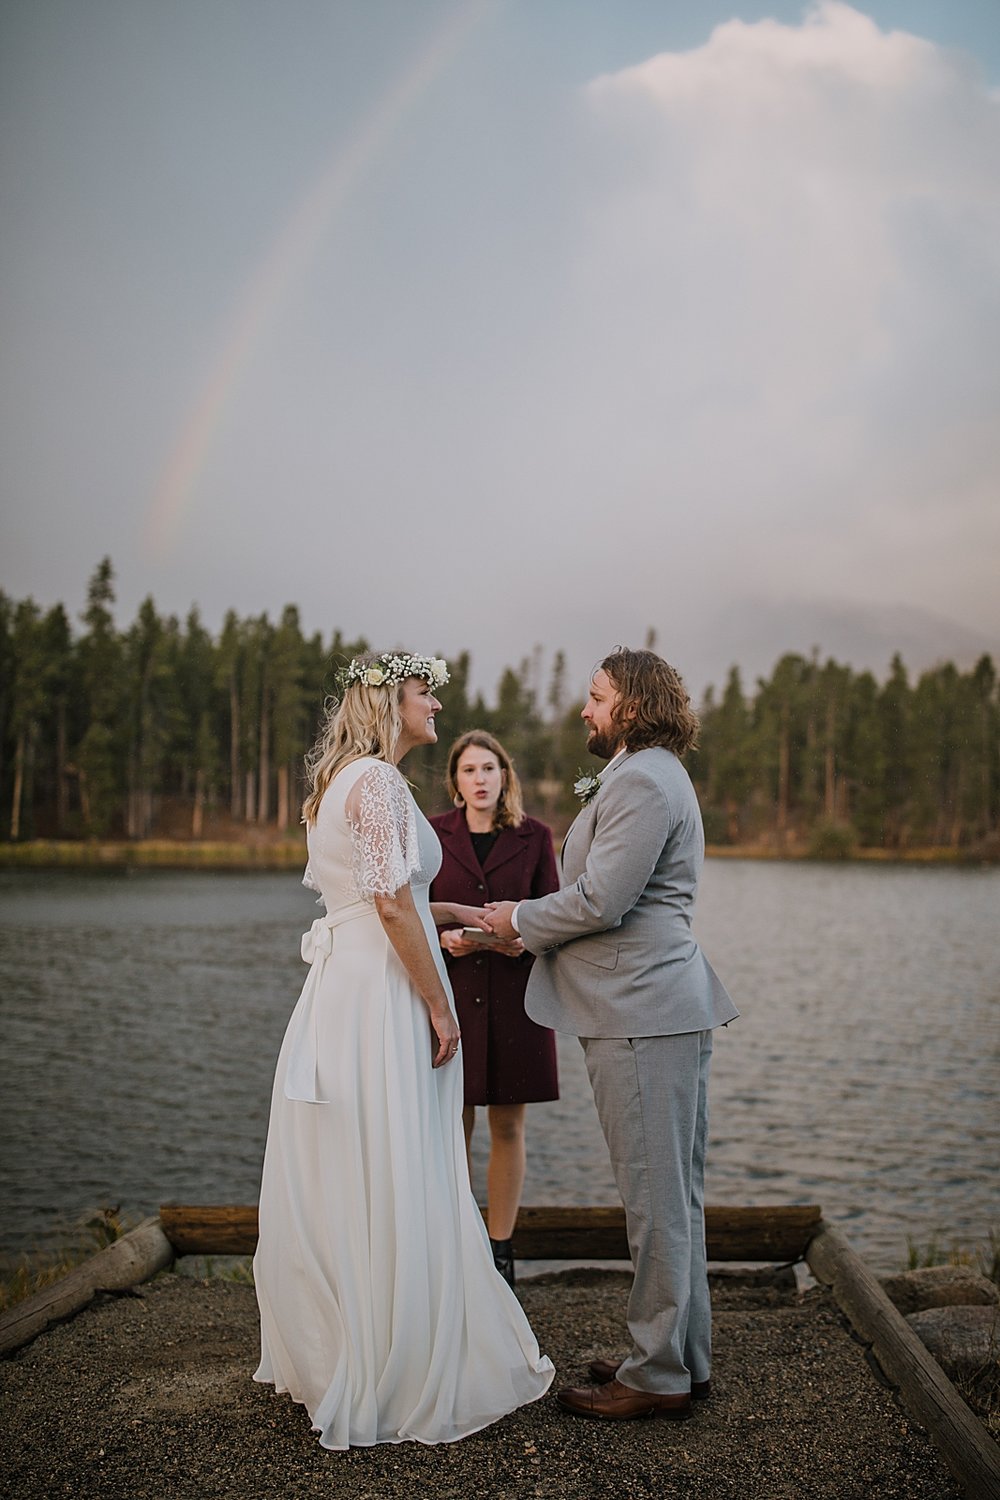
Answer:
(754, 634)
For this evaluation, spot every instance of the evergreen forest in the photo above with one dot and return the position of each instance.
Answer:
(163, 729)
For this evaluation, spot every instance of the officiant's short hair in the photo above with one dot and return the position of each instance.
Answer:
(654, 707)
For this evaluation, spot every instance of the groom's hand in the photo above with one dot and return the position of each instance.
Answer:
(498, 918)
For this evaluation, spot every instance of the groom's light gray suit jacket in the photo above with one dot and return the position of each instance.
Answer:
(615, 952)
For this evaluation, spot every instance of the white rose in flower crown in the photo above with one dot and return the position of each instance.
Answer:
(374, 676)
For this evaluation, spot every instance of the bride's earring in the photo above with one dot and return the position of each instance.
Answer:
(458, 801)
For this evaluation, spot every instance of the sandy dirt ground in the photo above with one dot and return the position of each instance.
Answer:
(147, 1395)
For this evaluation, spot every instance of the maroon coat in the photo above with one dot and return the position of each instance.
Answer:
(508, 1058)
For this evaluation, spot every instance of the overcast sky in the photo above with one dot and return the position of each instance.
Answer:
(525, 321)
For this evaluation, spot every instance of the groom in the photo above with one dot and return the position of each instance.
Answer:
(617, 966)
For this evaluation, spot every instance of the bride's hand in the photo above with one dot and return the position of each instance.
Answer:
(446, 1036)
(471, 916)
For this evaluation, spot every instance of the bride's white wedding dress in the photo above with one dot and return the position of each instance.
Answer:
(380, 1306)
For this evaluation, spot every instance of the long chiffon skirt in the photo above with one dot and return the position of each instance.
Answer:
(380, 1307)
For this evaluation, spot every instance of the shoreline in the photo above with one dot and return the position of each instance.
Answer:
(289, 854)
(931, 855)
(155, 854)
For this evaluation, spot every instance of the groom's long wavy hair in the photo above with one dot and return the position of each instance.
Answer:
(365, 721)
(653, 705)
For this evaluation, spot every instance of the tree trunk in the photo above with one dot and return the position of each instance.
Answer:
(985, 822)
(784, 756)
(15, 808)
(264, 773)
(830, 766)
(235, 802)
(62, 775)
(248, 797)
(811, 787)
(132, 802)
(28, 804)
(283, 798)
(956, 820)
(199, 803)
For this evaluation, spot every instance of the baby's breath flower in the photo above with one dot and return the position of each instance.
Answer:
(393, 667)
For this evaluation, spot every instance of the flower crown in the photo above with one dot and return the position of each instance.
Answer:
(393, 667)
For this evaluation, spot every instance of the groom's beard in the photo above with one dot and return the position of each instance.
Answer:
(604, 746)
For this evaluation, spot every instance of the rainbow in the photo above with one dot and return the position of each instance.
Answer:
(284, 264)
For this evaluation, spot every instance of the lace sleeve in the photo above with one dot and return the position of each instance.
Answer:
(384, 853)
(311, 884)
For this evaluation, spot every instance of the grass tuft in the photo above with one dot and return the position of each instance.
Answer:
(983, 1258)
(31, 1273)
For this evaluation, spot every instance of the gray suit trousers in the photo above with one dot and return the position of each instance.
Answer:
(652, 1098)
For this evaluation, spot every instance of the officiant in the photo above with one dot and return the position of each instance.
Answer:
(492, 851)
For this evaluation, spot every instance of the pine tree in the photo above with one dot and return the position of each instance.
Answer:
(99, 756)
(895, 711)
(288, 711)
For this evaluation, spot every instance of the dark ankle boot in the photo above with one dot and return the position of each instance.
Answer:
(503, 1259)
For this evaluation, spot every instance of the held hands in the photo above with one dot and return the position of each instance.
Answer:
(498, 918)
(458, 945)
(453, 941)
(469, 916)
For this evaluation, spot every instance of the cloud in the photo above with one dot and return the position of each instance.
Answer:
(716, 334)
(790, 288)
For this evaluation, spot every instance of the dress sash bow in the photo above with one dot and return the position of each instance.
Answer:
(302, 1072)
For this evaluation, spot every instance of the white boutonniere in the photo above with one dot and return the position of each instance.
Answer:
(586, 787)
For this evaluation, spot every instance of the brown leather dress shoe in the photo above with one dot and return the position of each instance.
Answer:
(603, 1370)
(619, 1403)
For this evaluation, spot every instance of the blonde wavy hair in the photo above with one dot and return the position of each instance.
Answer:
(510, 808)
(364, 721)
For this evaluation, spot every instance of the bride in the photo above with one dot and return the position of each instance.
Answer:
(380, 1306)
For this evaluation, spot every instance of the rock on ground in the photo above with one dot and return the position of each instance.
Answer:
(940, 1286)
(965, 1341)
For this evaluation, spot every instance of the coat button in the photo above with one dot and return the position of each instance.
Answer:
(480, 888)
(478, 1001)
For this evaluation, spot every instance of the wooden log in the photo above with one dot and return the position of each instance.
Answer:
(765, 1233)
(210, 1229)
(771, 1233)
(136, 1257)
(759, 1233)
(925, 1389)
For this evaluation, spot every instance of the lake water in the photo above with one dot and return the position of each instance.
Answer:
(142, 1013)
